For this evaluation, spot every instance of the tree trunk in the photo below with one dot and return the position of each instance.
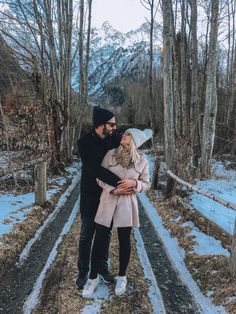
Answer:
(169, 132)
(210, 111)
(151, 112)
(194, 108)
(232, 259)
(183, 71)
(87, 52)
(81, 55)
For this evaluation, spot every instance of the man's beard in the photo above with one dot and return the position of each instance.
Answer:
(106, 132)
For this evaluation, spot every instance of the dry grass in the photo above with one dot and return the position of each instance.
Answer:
(59, 294)
(12, 243)
(210, 272)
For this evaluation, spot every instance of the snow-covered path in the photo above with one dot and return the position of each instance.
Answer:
(176, 256)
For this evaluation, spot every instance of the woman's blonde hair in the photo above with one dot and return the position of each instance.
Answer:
(134, 152)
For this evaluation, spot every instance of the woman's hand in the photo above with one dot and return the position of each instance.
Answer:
(122, 191)
(126, 184)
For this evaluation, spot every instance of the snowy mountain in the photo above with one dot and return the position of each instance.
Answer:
(115, 55)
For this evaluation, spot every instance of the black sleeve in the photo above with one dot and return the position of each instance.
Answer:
(88, 155)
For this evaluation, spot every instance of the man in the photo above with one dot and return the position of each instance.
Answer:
(92, 149)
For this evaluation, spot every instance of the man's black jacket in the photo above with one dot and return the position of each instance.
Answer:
(92, 150)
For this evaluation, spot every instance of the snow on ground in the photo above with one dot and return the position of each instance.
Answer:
(221, 215)
(151, 161)
(7, 156)
(33, 298)
(225, 188)
(103, 292)
(219, 169)
(154, 292)
(75, 172)
(13, 208)
(205, 245)
(176, 255)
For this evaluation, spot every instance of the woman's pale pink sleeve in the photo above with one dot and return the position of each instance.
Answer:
(143, 183)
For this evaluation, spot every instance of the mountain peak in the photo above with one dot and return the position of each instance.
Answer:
(107, 27)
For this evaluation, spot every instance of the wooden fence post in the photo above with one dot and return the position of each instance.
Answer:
(232, 259)
(41, 183)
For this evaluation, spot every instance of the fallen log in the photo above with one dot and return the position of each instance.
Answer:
(200, 191)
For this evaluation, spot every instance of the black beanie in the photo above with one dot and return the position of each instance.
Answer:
(101, 116)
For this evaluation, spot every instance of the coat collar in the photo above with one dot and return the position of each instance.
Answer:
(138, 166)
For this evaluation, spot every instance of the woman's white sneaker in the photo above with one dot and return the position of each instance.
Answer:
(121, 283)
(90, 287)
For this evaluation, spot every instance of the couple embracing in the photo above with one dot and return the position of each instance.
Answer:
(113, 170)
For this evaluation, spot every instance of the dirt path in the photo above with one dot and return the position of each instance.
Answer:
(175, 294)
(17, 284)
(59, 294)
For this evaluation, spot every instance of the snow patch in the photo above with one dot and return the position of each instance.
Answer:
(206, 245)
(24, 254)
(102, 293)
(33, 298)
(154, 292)
(221, 215)
(174, 253)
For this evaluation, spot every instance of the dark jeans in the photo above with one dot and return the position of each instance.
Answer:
(86, 237)
(99, 248)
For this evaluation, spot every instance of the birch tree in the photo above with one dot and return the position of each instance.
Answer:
(152, 7)
(84, 57)
(87, 57)
(194, 107)
(183, 71)
(208, 134)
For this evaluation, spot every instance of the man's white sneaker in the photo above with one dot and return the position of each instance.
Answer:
(90, 287)
(121, 283)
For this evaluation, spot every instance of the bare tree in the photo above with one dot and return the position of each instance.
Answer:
(44, 46)
(169, 131)
(194, 108)
(183, 70)
(233, 100)
(84, 58)
(208, 134)
(81, 54)
(151, 6)
(88, 50)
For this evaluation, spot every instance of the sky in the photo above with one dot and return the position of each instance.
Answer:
(123, 15)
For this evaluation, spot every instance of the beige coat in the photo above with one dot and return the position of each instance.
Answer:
(123, 209)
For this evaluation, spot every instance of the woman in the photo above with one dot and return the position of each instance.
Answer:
(117, 210)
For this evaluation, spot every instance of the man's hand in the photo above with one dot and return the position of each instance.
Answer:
(126, 184)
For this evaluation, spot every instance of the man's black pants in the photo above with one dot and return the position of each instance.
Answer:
(87, 231)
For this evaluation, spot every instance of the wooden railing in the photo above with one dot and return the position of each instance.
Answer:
(194, 188)
(40, 176)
